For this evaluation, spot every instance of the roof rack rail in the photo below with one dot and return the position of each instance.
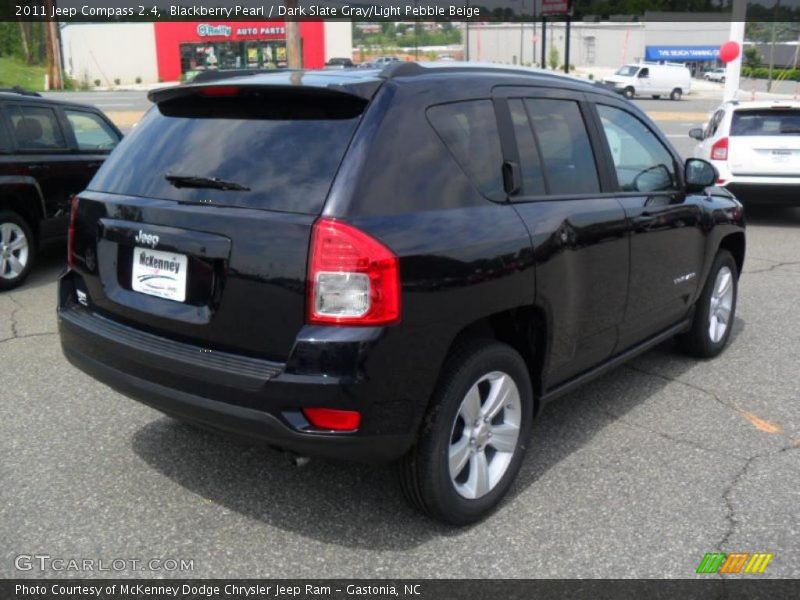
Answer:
(411, 68)
(21, 91)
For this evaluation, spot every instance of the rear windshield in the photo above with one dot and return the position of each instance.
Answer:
(279, 150)
(769, 121)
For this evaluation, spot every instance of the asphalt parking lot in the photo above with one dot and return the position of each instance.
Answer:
(637, 474)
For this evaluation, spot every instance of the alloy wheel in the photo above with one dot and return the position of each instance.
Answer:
(14, 250)
(484, 435)
(719, 313)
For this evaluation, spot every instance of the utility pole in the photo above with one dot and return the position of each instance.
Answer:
(544, 42)
(566, 43)
(53, 42)
(294, 50)
(772, 45)
(733, 69)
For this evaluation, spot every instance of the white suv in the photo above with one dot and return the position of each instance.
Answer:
(715, 75)
(756, 149)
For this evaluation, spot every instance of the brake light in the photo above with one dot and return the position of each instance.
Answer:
(73, 212)
(353, 279)
(719, 151)
(219, 91)
(329, 418)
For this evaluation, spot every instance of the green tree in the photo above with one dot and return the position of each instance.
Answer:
(553, 57)
(751, 56)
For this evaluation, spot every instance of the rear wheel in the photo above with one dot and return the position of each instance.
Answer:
(474, 436)
(676, 94)
(17, 250)
(715, 310)
(628, 92)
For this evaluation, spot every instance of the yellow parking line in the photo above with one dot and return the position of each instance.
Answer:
(662, 115)
(125, 119)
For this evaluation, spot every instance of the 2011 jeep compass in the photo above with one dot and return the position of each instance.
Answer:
(393, 266)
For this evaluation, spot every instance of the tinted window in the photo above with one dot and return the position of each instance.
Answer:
(91, 132)
(469, 130)
(5, 140)
(769, 121)
(531, 166)
(36, 128)
(642, 162)
(285, 148)
(565, 147)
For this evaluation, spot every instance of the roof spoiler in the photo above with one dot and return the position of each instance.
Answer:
(245, 84)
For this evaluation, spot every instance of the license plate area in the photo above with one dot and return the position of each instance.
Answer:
(158, 273)
(202, 274)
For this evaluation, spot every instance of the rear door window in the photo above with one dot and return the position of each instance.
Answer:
(530, 164)
(469, 130)
(564, 144)
(767, 122)
(279, 150)
(36, 128)
(91, 131)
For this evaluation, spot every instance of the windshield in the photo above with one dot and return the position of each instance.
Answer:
(255, 154)
(768, 122)
(627, 71)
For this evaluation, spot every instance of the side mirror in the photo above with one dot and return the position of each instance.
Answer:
(696, 133)
(699, 174)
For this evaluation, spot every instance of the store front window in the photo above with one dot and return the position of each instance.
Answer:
(232, 55)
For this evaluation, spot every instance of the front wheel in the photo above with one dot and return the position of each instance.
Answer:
(474, 436)
(628, 92)
(715, 310)
(676, 94)
(17, 250)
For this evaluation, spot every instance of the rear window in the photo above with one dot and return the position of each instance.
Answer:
(283, 147)
(769, 121)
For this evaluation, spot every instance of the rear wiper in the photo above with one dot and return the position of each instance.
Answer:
(196, 181)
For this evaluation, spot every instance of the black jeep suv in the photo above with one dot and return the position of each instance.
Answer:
(49, 150)
(393, 266)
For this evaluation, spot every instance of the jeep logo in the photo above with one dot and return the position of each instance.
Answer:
(146, 238)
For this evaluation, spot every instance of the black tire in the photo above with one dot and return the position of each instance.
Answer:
(698, 340)
(424, 472)
(629, 92)
(8, 278)
(676, 94)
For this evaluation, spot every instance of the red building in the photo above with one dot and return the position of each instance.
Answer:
(198, 45)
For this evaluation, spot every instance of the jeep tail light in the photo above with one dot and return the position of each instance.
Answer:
(73, 212)
(353, 279)
(330, 418)
(719, 151)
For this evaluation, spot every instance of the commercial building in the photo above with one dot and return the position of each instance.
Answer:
(600, 45)
(164, 51)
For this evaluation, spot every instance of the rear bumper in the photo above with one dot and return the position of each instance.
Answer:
(230, 395)
(765, 190)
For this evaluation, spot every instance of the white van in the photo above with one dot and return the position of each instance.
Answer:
(651, 79)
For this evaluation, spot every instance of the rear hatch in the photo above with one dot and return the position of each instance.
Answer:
(197, 227)
(765, 142)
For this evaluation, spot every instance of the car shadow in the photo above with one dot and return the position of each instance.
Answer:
(50, 262)
(344, 503)
(772, 216)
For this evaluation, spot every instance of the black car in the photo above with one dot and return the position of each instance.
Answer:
(239, 263)
(49, 150)
(339, 63)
